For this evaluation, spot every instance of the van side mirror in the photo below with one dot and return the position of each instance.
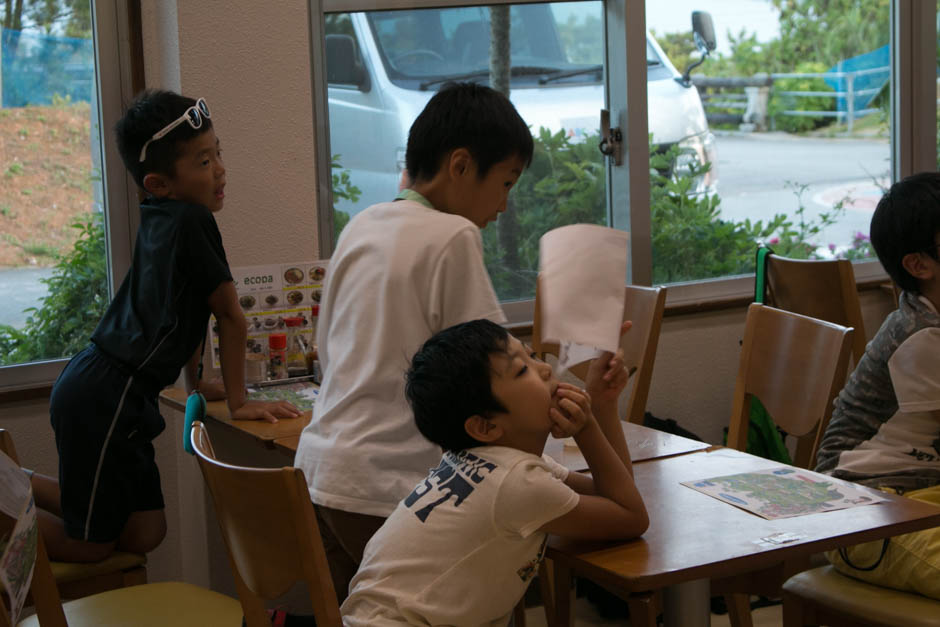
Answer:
(704, 33)
(344, 64)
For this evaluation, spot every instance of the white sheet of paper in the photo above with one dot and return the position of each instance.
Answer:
(582, 273)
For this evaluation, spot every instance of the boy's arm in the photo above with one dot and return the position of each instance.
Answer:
(223, 302)
(611, 506)
(606, 379)
(212, 390)
(190, 369)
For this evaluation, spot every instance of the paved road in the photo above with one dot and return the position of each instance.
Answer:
(20, 288)
(754, 171)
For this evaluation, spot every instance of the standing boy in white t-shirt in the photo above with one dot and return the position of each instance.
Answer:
(401, 272)
(463, 546)
(885, 427)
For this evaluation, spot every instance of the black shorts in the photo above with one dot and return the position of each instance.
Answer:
(104, 424)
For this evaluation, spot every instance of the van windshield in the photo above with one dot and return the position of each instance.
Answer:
(424, 47)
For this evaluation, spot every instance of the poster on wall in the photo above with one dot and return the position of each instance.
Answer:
(268, 294)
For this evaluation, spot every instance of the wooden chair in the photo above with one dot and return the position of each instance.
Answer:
(823, 596)
(147, 605)
(795, 365)
(823, 289)
(644, 307)
(270, 532)
(76, 580)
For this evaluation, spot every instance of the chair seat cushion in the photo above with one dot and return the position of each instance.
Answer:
(65, 572)
(152, 605)
(867, 602)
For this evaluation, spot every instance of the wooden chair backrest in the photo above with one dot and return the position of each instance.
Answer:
(644, 307)
(270, 531)
(795, 365)
(823, 289)
(43, 588)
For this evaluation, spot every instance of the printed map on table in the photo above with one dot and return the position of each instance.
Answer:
(784, 492)
(302, 395)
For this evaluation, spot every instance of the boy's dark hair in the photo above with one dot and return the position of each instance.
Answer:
(471, 116)
(449, 381)
(907, 220)
(152, 110)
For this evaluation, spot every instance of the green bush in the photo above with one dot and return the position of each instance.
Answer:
(780, 102)
(566, 184)
(77, 297)
(343, 189)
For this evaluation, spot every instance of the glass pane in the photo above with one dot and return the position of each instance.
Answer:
(795, 132)
(53, 286)
(383, 67)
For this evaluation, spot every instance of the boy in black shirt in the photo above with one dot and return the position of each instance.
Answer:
(104, 404)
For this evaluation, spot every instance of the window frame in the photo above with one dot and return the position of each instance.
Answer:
(111, 25)
(914, 36)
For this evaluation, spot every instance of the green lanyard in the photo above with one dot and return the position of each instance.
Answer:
(410, 194)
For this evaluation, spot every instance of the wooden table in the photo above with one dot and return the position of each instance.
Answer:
(264, 433)
(693, 537)
(644, 444)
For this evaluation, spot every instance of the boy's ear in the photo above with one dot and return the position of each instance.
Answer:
(481, 429)
(157, 184)
(459, 162)
(917, 266)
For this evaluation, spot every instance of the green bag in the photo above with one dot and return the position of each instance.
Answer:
(763, 437)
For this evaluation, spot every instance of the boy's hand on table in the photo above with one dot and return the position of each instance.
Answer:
(572, 412)
(268, 411)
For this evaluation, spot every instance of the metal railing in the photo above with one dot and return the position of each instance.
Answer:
(757, 91)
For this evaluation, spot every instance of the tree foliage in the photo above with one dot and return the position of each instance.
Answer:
(691, 241)
(77, 297)
(827, 31)
(71, 18)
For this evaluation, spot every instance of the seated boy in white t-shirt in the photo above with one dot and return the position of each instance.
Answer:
(463, 546)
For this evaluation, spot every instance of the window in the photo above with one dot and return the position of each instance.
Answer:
(820, 142)
(797, 103)
(54, 190)
(383, 67)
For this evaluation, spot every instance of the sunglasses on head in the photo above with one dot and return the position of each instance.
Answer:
(194, 115)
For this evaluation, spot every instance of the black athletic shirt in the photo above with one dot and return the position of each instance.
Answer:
(159, 315)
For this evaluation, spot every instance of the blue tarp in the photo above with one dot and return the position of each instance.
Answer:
(37, 67)
(879, 58)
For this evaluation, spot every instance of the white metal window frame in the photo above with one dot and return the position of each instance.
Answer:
(112, 63)
(914, 36)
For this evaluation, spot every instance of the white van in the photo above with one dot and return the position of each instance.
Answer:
(383, 67)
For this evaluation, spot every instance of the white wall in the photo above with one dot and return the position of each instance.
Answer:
(251, 62)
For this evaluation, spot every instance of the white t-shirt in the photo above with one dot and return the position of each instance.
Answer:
(909, 441)
(401, 273)
(463, 546)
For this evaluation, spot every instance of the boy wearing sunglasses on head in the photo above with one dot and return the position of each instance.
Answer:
(104, 405)
(463, 546)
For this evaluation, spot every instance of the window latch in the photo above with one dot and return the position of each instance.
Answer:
(611, 139)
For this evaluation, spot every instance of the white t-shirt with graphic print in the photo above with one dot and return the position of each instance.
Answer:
(463, 546)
